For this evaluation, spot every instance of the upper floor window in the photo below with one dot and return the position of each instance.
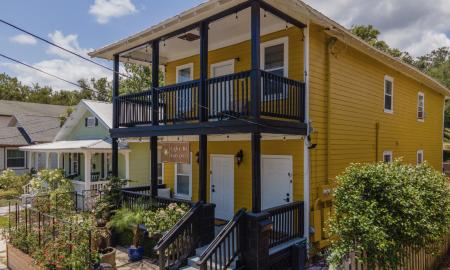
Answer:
(15, 158)
(90, 122)
(419, 157)
(388, 94)
(420, 106)
(274, 59)
(184, 73)
(387, 156)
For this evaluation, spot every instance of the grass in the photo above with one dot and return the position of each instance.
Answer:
(8, 195)
(4, 222)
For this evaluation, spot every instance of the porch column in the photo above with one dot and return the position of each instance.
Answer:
(256, 105)
(115, 93)
(87, 170)
(60, 161)
(127, 165)
(203, 111)
(155, 120)
(47, 160)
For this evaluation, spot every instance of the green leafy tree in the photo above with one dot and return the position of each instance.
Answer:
(382, 208)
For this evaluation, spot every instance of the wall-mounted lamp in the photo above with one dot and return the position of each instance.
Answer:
(239, 157)
(197, 157)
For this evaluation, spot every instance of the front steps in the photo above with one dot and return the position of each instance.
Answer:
(192, 261)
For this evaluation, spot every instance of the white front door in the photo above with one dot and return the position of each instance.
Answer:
(222, 185)
(276, 180)
(221, 94)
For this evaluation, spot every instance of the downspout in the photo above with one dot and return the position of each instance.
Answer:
(306, 154)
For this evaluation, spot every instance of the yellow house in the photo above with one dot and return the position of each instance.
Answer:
(266, 102)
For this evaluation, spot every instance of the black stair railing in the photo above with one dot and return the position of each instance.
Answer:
(287, 222)
(227, 246)
(181, 241)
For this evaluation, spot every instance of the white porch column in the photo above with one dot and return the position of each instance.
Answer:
(87, 170)
(127, 165)
(47, 160)
(60, 161)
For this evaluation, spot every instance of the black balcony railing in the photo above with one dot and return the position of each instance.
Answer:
(228, 98)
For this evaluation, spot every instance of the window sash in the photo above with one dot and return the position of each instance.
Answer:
(90, 122)
(420, 106)
(388, 94)
(15, 158)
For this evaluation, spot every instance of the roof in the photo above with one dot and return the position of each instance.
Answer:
(294, 8)
(11, 136)
(101, 110)
(101, 144)
(29, 123)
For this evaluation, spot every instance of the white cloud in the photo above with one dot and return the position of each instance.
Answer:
(417, 26)
(104, 10)
(23, 39)
(62, 64)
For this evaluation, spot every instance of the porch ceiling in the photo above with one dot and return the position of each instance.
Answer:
(71, 146)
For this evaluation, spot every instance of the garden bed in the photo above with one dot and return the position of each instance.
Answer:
(18, 260)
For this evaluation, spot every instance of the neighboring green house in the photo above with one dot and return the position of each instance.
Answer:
(83, 149)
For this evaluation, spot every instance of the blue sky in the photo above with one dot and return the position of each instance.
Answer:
(83, 25)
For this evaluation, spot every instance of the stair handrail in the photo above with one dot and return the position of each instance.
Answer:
(173, 232)
(220, 238)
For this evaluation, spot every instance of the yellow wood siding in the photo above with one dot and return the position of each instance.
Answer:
(346, 103)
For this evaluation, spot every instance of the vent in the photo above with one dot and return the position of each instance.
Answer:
(189, 37)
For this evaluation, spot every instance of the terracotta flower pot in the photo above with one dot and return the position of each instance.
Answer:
(109, 257)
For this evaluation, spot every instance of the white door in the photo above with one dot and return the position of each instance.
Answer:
(276, 180)
(222, 185)
(221, 94)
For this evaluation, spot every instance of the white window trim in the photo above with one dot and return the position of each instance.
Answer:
(285, 42)
(388, 153)
(417, 157)
(221, 63)
(90, 118)
(190, 66)
(6, 159)
(420, 94)
(73, 160)
(183, 196)
(388, 78)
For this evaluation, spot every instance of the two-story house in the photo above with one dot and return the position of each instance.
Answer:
(266, 101)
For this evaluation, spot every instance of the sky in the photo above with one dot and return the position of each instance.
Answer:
(416, 26)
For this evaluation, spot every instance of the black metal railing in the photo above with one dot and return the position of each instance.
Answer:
(282, 97)
(179, 102)
(181, 240)
(227, 246)
(287, 223)
(140, 198)
(134, 109)
(229, 96)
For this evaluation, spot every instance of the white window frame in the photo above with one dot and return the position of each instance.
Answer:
(420, 94)
(24, 158)
(185, 66)
(90, 122)
(390, 79)
(270, 43)
(162, 167)
(388, 153)
(183, 196)
(419, 152)
(74, 160)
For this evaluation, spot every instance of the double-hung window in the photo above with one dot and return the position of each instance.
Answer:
(388, 94)
(420, 106)
(274, 59)
(184, 73)
(183, 178)
(74, 164)
(15, 158)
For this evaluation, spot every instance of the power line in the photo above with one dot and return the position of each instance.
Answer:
(60, 47)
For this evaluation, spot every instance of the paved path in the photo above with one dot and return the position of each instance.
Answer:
(123, 263)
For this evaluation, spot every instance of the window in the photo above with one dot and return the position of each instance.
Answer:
(274, 59)
(160, 173)
(74, 165)
(91, 122)
(15, 158)
(184, 100)
(419, 157)
(183, 175)
(387, 156)
(420, 106)
(388, 94)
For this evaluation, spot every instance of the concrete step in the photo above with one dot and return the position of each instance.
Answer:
(192, 262)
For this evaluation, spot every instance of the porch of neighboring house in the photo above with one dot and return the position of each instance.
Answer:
(257, 93)
(88, 163)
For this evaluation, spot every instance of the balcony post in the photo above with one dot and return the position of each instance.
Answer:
(255, 89)
(115, 93)
(203, 110)
(256, 172)
(155, 120)
(87, 170)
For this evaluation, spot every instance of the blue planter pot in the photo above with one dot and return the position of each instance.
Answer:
(135, 254)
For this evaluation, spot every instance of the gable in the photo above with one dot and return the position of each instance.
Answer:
(81, 132)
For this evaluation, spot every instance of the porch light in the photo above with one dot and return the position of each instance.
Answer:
(239, 157)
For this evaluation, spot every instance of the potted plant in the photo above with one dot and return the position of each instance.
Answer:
(125, 219)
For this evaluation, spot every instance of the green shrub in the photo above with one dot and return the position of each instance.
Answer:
(382, 208)
(161, 220)
(9, 180)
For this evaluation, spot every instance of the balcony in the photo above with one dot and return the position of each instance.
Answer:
(229, 99)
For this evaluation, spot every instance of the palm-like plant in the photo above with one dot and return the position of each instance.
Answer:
(125, 219)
